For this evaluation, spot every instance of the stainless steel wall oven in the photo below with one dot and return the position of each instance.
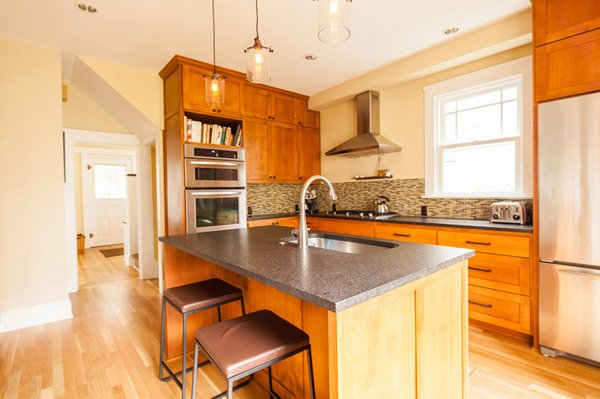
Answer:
(215, 181)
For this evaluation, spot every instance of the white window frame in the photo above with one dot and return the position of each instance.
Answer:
(499, 74)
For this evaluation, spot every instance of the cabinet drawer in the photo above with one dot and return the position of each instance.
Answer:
(568, 67)
(486, 242)
(347, 227)
(287, 222)
(504, 273)
(501, 309)
(400, 232)
(311, 223)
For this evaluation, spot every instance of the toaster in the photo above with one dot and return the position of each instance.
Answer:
(510, 212)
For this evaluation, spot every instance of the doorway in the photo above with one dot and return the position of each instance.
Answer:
(106, 197)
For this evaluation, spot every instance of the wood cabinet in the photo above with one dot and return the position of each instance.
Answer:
(304, 116)
(568, 67)
(268, 155)
(288, 221)
(266, 104)
(309, 152)
(567, 48)
(351, 227)
(557, 19)
(194, 86)
(400, 232)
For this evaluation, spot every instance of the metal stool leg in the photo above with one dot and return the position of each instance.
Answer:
(195, 373)
(310, 373)
(183, 356)
(229, 389)
(162, 342)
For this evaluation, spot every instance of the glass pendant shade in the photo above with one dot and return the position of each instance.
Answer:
(258, 66)
(334, 20)
(215, 90)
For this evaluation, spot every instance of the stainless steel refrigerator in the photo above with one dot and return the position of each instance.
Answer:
(569, 227)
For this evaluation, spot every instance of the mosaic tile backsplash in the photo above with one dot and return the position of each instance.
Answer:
(404, 194)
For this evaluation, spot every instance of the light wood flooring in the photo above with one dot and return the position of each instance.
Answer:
(110, 350)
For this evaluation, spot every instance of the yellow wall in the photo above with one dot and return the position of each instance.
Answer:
(81, 112)
(142, 88)
(32, 202)
(402, 111)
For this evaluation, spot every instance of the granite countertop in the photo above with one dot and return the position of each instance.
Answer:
(423, 221)
(330, 279)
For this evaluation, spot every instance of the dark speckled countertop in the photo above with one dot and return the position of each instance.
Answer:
(423, 221)
(330, 279)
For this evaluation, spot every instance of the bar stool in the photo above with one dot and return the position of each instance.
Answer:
(242, 346)
(189, 299)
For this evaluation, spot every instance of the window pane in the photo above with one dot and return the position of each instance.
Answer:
(509, 94)
(510, 119)
(479, 124)
(109, 181)
(449, 129)
(479, 169)
(479, 100)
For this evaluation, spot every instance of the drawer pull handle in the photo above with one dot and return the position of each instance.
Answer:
(274, 223)
(485, 305)
(402, 235)
(480, 270)
(478, 243)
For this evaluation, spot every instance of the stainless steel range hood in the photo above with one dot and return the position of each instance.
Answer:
(368, 141)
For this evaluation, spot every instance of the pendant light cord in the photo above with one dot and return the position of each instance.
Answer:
(214, 45)
(256, 19)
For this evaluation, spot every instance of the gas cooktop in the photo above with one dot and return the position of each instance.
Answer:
(360, 214)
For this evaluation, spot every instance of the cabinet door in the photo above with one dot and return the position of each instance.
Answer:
(281, 108)
(309, 153)
(313, 119)
(393, 231)
(568, 67)
(300, 110)
(283, 141)
(558, 19)
(347, 227)
(194, 93)
(256, 102)
(256, 143)
(501, 309)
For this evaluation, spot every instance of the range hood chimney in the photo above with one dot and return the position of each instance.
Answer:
(368, 141)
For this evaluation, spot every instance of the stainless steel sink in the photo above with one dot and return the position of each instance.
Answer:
(351, 245)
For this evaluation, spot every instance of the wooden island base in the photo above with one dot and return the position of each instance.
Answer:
(407, 343)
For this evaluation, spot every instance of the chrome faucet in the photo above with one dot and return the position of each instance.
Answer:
(302, 228)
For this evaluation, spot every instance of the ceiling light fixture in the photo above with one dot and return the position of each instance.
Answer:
(214, 83)
(334, 20)
(451, 31)
(258, 68)
(87, 7)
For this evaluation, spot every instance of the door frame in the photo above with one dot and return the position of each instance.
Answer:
(88, 153)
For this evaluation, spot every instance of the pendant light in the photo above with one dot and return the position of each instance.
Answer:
(214, 83)
(334, 21)
(258, 68)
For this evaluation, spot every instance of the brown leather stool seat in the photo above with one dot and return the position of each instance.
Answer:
(242, 346)
(189, 299)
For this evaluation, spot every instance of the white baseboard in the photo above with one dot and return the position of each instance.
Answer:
(35, 315)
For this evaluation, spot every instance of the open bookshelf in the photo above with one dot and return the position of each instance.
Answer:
(210, 130)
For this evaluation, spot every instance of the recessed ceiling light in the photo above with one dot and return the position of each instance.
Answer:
(450, 31)
(310, 57)
(87, 7)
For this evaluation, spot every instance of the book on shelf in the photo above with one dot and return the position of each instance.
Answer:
(212, 133)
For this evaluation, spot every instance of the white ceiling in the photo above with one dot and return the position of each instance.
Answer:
(147, 33)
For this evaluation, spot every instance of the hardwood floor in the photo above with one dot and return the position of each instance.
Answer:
(110, 350)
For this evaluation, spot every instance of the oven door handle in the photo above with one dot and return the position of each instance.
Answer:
(216, 163)
(216, 193)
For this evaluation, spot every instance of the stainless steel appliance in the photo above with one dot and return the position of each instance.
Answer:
(510, 212)
(569, 227)
(215, 182)
(207, 167)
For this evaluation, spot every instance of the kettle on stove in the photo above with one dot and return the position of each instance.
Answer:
(381, 204)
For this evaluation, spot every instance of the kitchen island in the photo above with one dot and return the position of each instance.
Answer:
(389, 323)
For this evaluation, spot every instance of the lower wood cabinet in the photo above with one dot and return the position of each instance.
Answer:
(351, 227)
(291, 221)
(502, 309)
(400, 232)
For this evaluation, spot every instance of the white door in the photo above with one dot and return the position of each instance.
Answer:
(105, 198)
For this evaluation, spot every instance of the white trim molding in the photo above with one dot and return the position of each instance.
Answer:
(35, 315)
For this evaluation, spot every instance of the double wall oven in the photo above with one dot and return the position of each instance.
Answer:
(215, 181)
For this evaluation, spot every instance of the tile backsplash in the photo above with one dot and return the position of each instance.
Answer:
(404, 194)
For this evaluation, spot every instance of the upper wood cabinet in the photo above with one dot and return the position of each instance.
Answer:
(194, 86)
(303, 116)
(256, 137)
(568, 67)
(267, 104)
(557, 19)
(309, 152)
